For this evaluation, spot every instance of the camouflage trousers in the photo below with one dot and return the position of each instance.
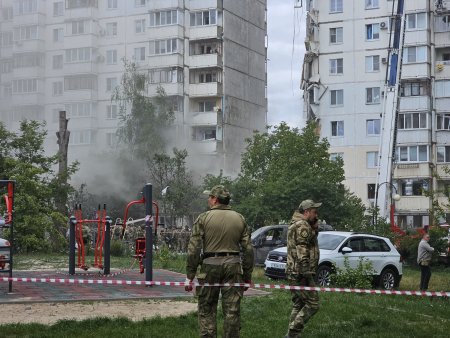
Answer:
(208, 298)
(305, 305)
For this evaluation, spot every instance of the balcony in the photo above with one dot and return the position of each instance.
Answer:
(411, 136)
(28, 99)
(204, 4)
(205, 32)
(204, 147)
(202, 118)
(35, 45)
(415, 70)
(415, 103)
(83, 12)
(74, 68)
(441, 39)
(441, 167)
(205, 60)
(161, 4)
(408, 170)
(416, 38)
(171, 89)
(30, 19)
(165, 32)
(80, 40)
(442, 104)
(165, 60)
(28, 72)
(205, 89)
(442, 70)
(413, 203)
(443, 137)
(80, 95)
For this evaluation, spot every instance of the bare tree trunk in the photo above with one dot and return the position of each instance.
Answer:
(63, 142)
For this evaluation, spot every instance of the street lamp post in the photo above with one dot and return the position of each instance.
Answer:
(396, 197)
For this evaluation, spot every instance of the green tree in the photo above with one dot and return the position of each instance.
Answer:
(37, 223)
(280, 169)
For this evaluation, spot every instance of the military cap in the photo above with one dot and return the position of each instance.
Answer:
(219, 191)
(308, 204)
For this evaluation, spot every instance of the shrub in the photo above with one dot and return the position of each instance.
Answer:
(117, 248)
(359, 277)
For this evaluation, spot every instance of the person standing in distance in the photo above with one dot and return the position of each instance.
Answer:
(218, 237)
(302, 262)
(424, 254)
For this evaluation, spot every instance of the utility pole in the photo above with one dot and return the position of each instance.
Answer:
(63, 142)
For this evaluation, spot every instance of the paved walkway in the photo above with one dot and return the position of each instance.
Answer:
(24, 292)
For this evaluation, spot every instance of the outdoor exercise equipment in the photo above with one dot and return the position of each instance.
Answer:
(79, 234)
(6, 221)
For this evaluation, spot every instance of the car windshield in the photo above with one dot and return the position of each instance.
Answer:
(257, 232)
(329, 241)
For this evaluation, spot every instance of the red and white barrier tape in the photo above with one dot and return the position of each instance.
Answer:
(255, 286)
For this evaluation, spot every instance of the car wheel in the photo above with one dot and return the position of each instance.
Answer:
(388, 279)
(323, 275)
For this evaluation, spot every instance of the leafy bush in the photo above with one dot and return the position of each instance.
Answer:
(348, 277)
(165, 256)
(118, 248)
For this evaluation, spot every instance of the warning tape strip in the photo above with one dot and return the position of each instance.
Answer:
(255, 286)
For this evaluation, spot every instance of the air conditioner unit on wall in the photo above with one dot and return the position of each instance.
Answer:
(384, 60)
(383, 25)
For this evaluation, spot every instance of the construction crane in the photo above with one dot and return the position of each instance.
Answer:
(391, 105)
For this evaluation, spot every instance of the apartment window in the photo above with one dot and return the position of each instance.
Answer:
(79, 27)
(163, 46)
(6, 66)
(413, 187)
(58, 35)
(372, 159)
(442, 88)
(58, 8)
(165, 75)
(7, 89)
(412, 121)
(336, 66)
(373, 31)
(139, 3)
(443, 121)
(23, 60)
(111, 139)
(371, 191)
(57, 88)
(139, 26)
(24, 86)
(415, 54)
(139, 54)
(6, 38)
(81, 3)
(416, 21)
(111, 112)
(111, 84)
(335, 156)
(26, 33)
(336, 6)
(83, 54)
(80, 82)
(337, 128)
(372, 63)
(413, 88)
(112, 4)
(22, 7)
(205, 47)
(111, 29)
(204, 18)
(204, 133)
(443, 154)
(442, 23)
(373, 95)
(57, 61)
(80, 137)
(336, 35)
(79, 109)
(7, 13)
(337, 97)
(412, 154)
(111, 57)
(206, 106)
(163, 18)
(373, 127)
(370, 4)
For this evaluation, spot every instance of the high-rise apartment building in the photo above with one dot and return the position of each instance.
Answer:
(344, 74)
(208, 55)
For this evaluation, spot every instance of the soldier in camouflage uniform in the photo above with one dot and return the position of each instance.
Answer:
(221, 234)
(302, 262)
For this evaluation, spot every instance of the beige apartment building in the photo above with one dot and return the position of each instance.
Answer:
(344, 75)
(208, 55)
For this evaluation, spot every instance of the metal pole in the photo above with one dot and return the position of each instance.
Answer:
(72, 223)
(147, 192)
(107, 265)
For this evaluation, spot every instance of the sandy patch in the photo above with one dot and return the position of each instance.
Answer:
(50, 313)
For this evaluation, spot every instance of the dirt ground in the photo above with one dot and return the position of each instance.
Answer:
(50, 313)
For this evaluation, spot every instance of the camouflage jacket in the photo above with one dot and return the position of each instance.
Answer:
(219, 230)
(302, 248)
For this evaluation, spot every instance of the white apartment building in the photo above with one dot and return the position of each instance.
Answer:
(344, 75)
(208, 55)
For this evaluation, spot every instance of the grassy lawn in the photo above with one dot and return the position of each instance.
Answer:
(341, 315)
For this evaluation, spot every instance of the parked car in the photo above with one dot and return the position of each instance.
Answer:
(266, 239)
(4, 253)
(335, 247)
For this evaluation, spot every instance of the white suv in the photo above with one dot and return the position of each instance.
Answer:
(335, 246)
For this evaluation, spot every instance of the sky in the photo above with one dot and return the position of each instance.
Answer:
(286, 35)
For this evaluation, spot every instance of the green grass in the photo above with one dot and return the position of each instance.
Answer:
(340, 315)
